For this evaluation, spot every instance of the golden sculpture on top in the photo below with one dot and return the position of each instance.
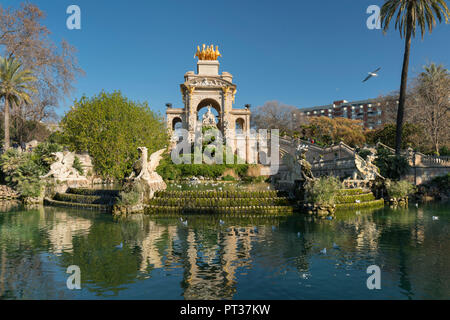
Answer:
(207, 53)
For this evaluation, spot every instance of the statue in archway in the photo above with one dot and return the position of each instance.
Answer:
(209, 119)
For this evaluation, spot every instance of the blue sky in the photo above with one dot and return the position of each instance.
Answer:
(302, 53)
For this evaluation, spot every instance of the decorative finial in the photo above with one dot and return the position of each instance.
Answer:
(207, 53)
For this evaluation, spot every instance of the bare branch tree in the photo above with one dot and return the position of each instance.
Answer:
(23, 36)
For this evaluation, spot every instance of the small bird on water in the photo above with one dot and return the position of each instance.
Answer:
(120, 246)
(324, 251)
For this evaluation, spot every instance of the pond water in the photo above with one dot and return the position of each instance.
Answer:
(244, 258)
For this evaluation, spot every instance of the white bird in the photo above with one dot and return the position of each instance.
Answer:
(417, 205)
(324, 251)
(120, 246)
(221, 222)
(435, 218)
(372, 74)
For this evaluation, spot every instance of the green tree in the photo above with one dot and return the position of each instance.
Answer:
(410, 13)
(412, 136)
(15, 87)
(111, 128)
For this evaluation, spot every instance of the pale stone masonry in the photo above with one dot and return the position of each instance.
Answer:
(206, 88)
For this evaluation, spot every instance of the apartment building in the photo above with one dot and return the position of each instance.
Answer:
(370, 112)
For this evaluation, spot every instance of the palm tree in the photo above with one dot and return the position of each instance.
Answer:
(410, 13)
(15, 85)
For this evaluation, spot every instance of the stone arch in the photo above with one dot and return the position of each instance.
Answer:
(240, 124)
(215, 105)
(208, 101)
(175, 122)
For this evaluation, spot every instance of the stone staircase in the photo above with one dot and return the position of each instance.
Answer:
(221, 202)
(90, 199)
(357, 198)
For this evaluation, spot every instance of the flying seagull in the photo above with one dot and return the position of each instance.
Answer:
(372, 74)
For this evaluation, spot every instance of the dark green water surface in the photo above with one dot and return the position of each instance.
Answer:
(244, 258)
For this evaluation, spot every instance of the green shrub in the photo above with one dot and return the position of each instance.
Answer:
(130, 197)
(323, 190)
(43, 154)
(441, 182)
(391, 166)
(363, 153)
(399, 189)
(111, 128)
(21, 172)
(77, 165)
(228, 178)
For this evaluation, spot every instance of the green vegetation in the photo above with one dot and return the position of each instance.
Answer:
(409, 15)
(77, 165)
(21, 171)
(391, 166)
(441, 182)
(399, 189)
(325, 131)
(360, 205)
(227, 202)
(228, 178)
(111, 128)
(15, 88)
(170, 171)
(411, 134)
(323, 190)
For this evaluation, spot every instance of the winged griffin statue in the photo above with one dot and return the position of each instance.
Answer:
(144, 172)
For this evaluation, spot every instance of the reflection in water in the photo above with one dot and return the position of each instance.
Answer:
(247, 258)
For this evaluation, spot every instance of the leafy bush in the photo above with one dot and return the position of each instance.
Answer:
(323, 190)
(441, 182)
(444, 151)
(363, 153)
(77, 165)
(111, 128)
(399, 189)
(21, 172)
(228, 178)
(391, 166)
(130, 196)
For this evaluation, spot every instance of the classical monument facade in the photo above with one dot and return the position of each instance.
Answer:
(208, 88)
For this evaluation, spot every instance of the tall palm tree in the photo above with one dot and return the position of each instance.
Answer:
(410, 13)
(15, 86)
